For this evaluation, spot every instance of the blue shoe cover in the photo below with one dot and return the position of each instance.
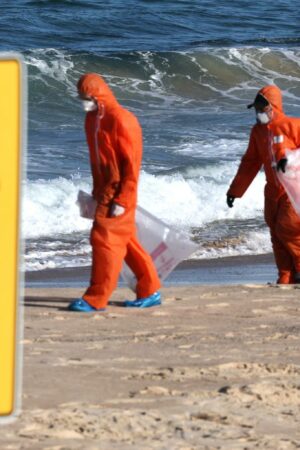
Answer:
(147, 302)
(82, 306)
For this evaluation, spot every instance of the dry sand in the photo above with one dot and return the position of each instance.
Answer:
(213, 368)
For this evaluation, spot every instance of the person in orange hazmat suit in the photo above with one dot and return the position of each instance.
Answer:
(114, 139)
(270, 137)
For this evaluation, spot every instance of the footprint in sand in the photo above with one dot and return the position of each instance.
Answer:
(245, 369)
(268, 392)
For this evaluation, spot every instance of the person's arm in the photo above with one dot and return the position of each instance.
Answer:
(129, 151)
(248, 169)
(103, 192)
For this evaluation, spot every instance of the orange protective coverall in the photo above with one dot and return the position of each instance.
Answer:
(114, 139)
(267, 146)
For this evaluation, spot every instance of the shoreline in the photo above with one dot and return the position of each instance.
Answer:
(227, 270)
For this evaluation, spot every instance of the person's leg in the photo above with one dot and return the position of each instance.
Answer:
(283, 259)
(140, 262)
(288, 230)
(109, 239)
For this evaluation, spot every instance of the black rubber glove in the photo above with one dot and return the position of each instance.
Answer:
(281, 165)
(230, 200)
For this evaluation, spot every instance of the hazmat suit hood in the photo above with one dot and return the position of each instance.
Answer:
(273, 95)
(92, 85)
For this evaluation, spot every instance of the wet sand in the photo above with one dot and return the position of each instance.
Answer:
(229, 270)
(215, 367)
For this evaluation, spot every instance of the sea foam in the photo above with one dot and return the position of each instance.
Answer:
(192, 199)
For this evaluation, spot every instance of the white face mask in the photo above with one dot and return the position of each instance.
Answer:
(89, 105)
(262, 118)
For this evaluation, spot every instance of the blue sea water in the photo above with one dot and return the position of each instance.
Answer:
(187, 69)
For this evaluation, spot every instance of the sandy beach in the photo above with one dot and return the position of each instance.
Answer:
(215, 367)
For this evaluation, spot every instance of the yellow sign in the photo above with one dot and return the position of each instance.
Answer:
(11, 141)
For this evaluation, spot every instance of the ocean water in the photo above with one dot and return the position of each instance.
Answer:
(187, 69)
